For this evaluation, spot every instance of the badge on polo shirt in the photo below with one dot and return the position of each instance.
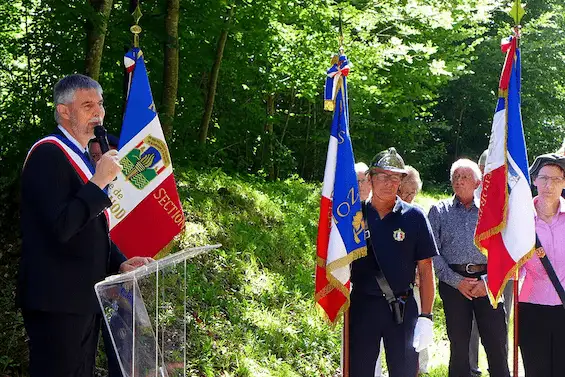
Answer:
(399, 235)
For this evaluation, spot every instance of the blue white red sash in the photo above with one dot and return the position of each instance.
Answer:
(78, 161)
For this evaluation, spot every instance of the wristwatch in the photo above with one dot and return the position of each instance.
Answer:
(428, 316)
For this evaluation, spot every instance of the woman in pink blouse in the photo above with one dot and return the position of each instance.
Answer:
(541, 318)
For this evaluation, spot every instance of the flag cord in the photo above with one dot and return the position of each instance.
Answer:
(517, 34)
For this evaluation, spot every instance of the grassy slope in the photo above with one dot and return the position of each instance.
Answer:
(252, 301)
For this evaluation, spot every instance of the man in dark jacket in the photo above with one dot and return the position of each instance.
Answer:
(399, 240)
(66, 247)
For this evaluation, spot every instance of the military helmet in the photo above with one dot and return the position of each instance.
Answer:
(388, 160)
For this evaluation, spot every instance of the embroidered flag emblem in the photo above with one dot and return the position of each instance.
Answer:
(144, 162)
(398, 235)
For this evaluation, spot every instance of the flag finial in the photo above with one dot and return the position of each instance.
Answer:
(341, 49)
(136, 29)
(517, 12)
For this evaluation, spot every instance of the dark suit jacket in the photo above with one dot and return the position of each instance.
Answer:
(66, 247)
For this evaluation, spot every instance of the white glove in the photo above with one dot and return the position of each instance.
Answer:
(423, 334)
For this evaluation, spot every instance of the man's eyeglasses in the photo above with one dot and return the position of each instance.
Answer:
(408, 193)
(383, 177)
(363, 180)
(545, 179)
(463, 177)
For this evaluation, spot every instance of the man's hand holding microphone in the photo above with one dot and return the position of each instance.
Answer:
(108, 167)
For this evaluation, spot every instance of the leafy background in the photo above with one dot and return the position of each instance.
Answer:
(424, 80)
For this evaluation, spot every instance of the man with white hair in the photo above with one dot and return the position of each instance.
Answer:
(361, 169)
(66, 247)
(561, 151)
(411, 185)
(460, 267)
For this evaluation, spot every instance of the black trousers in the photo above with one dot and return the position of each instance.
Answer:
(541, 336)
(60, 344)
(370, 320)
(492, 330)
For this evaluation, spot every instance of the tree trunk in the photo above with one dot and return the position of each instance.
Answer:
(171, 69)
(315, 159)
(290, 109)
(95, 34)
(269, 135)
(307, 140)
(28, 36)
(213, 81)
(458, 133)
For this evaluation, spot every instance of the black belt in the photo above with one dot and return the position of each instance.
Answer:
(469, 268)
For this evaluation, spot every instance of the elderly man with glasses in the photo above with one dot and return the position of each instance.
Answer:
(399, 239)
(460, 267)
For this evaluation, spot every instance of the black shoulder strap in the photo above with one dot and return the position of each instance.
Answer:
(550, 271)
(381, 279)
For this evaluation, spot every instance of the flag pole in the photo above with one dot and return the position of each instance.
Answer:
(515, 350)
(517, 12)
(516, 277)
(345, 371)
(136, 29)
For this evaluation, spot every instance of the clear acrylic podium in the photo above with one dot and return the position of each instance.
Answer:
(145, 311)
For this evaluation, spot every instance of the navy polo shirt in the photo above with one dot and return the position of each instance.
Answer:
(400, 240)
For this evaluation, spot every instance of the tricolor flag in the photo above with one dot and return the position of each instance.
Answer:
(505, 230)
(146, 212)
(341, 237)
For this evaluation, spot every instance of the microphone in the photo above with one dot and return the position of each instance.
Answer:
(101, 137)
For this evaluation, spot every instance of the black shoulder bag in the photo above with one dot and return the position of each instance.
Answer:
(396, 304)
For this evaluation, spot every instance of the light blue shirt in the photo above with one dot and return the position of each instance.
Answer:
(454, 230)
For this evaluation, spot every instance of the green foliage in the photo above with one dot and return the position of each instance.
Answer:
(250, 303)
(424, 79)
(13, 349)
(426, 199)
(468, 103)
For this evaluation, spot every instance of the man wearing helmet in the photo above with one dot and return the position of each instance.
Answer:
(399, 240)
